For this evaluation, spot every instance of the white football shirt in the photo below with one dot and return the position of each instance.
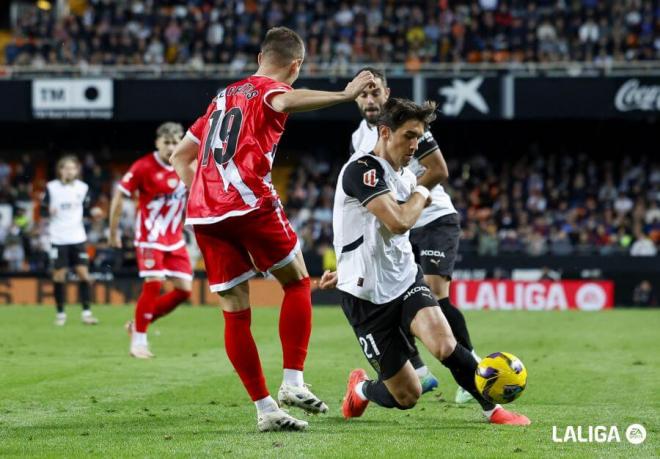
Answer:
(364, 139)
(66, 203)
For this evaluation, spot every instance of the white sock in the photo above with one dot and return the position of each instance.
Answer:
(422, 371)
(266, 405)
(293, 377)
(86, 313)
(489, 413)
(474, 354)
(61, 315)
(139, 339)
(359, 391)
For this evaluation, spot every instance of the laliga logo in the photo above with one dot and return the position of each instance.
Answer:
(635, 434)
(633, 96)
(590, 297)
(461, 92)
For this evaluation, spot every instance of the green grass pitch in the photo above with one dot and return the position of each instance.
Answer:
(74, 392)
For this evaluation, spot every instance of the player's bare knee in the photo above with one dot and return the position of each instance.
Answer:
(408, 393)
(235, 299)
(408, 397)
(443, 347)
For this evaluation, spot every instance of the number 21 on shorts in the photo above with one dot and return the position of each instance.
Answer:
(366, 342)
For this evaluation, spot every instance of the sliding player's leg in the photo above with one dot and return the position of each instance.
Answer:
(431, 327)
(388, 349)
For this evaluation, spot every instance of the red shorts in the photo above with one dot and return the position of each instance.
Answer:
(235, 249)
(161, 263)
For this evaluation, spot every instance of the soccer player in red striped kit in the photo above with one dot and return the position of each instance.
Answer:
(226, 159)
(159, 244)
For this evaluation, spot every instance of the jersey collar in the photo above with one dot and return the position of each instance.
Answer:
(162, 163)
(367, 125)
(385, 162)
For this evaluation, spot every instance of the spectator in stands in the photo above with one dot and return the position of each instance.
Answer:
(488, 244)
(560, 244)
(337, 33)
(14, 252)
(643, 246)
(5, 173)
(644, 295)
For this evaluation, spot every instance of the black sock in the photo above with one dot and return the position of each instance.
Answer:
(416, 360)
(58, 292)
(462, 365)
(457, 323)
(376, 391)
(84, 294)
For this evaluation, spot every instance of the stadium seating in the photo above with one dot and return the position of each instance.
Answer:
(198, 32)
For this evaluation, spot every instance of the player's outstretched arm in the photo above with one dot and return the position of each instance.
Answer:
(304, 100)
(116, 206)
(436, 169)
(399, 218)
(184, 160)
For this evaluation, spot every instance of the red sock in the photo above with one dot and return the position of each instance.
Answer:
(166, 303)
(296, 323)
(144, 309)
(242, 352)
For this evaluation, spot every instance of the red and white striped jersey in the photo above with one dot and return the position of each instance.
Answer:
(161, 201)
(237, 137)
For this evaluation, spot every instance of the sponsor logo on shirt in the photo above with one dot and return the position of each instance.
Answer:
(369, 178)
(432, 253)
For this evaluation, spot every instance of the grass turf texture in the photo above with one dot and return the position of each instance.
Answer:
(73, 391)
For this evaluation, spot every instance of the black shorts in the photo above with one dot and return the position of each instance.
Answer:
(436, 245)
(383, 330)
(69, 255)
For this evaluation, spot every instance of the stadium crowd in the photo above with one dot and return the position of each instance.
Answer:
(539, 205)
(338, 33)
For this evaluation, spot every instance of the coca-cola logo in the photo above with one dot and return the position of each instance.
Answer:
(634, 96)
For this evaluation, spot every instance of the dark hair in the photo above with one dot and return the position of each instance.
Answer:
(397, 111)
(377, 73)
(282, 46)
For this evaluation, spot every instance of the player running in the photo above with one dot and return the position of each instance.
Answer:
(159, 243)
(65, 202)
(384, 296)
(226, 159)
(436, 234)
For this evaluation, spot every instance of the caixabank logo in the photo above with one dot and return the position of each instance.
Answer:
(635, 434)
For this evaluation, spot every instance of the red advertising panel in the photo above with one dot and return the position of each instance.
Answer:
(532, 296)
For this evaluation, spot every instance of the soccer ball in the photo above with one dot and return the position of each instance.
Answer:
(500, 377)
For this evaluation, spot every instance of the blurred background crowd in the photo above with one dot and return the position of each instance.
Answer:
(564, 205)
(198, 32)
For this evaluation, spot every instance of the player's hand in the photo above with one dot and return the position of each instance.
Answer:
(328, 280)
(358, 84)
(115, 241)
(428, 202)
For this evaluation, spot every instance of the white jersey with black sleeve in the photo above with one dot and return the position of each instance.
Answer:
(373, 263)
(364, 139)
(64, 204)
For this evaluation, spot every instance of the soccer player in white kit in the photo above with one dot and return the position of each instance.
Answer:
(65, 201)
(435, 236)
(383, 292)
